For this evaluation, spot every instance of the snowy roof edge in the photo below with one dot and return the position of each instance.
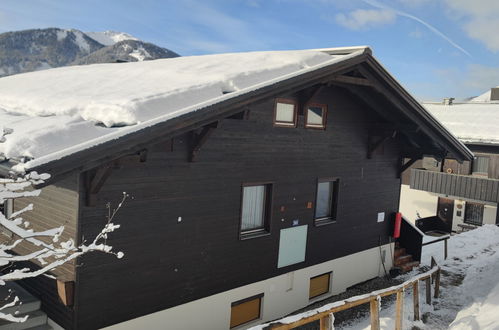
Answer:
(351, 53)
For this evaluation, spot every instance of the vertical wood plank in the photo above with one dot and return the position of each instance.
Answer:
(374, 306)
(437, 283)
(415, 300)
(433, 264)
(399, 310)
(325, 323)
(428, 291)
(445, 249)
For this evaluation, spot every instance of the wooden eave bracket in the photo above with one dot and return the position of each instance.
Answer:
(405, 166)
(373, 144)
(94, 181)
(199, 139)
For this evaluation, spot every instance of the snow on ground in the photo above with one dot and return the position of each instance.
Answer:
(469, 296)
(469, 293)
(108, 38)
(57, 112)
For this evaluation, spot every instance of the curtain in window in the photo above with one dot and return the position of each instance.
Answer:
(253, 207)
(323, 204)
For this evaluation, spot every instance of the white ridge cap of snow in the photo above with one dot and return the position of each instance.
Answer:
(57, 112)
(108, 38)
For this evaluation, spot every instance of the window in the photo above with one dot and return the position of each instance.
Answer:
(285, 113)
(255, 209)
(481, 165)
(473, 213)
(319, 285)
(246, 310)
(6, 209)
(326, 200)
(315, 116)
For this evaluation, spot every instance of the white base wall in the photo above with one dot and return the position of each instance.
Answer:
(282, 294)
(413, 202)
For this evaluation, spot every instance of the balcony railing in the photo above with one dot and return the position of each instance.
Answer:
(464, 186)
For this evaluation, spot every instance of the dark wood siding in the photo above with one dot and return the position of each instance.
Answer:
(169, 262)
(56, 205)
(463, 186)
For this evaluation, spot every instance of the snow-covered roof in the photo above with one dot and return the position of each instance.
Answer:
(58, 112)
(471, 122)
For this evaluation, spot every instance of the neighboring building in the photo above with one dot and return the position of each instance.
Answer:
(261, 182)
(462, 194)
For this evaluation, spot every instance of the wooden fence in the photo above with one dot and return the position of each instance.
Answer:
(325, 316)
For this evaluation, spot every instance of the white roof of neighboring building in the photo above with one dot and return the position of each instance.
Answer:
(484, 98)
(471, 122)
(55, 113)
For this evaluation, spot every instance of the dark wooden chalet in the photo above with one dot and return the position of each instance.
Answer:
(245, 209)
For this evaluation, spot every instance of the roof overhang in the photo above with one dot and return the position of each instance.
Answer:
(162, 131)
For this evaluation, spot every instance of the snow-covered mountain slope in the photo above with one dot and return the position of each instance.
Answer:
(108, 38)
(127, 51)
(39, 49)
(33, 50)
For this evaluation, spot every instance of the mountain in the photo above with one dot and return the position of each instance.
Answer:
(39, 49)
(127, 51)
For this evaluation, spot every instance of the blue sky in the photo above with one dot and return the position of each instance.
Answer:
(435, 48)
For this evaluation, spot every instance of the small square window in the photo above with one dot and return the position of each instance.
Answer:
(319, 285)
(315, 116)
(285, 113)
(246, 310)
(326, 200)
(255, 209)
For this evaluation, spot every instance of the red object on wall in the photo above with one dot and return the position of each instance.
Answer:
(398, 223)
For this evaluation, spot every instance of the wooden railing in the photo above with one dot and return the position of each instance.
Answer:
(326, 318)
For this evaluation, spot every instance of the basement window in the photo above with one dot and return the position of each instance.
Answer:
(315, 116)
(473, 213)
(319, 285)
(245, 310)
(326, 201)
(255, 209)
(285, 113)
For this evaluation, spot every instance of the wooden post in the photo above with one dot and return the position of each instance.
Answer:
(428, 291)
(415, 299)
(399, 310)
(433, 264)
(445, 249)
(325, 322)
(437, 283)
(374, 304)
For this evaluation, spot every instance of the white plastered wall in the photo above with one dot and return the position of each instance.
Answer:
(282, 294)
(414, 202)
(489, 213)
